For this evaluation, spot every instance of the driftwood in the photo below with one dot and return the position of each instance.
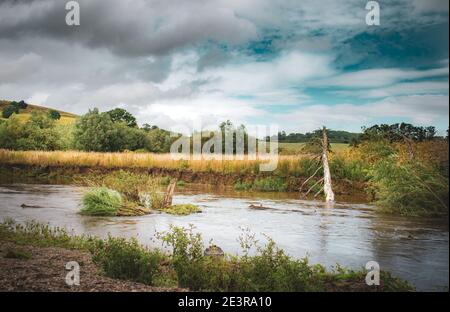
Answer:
(169, 194)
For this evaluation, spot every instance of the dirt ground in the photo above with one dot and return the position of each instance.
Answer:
(46, 271)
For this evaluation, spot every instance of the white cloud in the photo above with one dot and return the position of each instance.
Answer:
(370, 78)
(418, 109)
(406, 88)
(38, 98)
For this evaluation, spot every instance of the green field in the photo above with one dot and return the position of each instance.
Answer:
(24, 114)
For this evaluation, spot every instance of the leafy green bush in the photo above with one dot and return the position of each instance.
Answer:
(101, 201)
(9, 110)
(127, 259)
(242, 186)
(54, 114)
(269, 184)
(352, 170)
(410, 188)
(37, 133)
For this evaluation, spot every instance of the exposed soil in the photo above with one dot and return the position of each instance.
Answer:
(46, 271)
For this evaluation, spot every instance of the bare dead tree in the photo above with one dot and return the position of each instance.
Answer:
(326, 179)
(327, 185)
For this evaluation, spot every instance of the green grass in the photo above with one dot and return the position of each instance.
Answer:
(101, 201)
(182, 209)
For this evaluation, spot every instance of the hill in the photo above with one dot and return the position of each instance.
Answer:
(66, 118)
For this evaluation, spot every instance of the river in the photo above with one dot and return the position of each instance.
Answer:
(350, 233)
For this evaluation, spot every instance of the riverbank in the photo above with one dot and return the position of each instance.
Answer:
(265, 182)
(31, 268)
(34, 258)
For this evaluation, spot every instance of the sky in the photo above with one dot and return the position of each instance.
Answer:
(296, 64)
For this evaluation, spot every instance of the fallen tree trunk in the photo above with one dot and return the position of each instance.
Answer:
(327, 185)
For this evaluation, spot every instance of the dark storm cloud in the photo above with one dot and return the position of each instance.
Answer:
(130, 28)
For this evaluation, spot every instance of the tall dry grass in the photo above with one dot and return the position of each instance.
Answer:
(287, 163)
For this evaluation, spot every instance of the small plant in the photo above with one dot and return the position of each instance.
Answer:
(17, 253)
(54, 114)
(242, 186)
(269, 184)
(101, 201)
(127, 259)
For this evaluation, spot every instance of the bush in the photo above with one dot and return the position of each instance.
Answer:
(9, 110)
(37, 133)
(101, 201)
(410, 188)
(269, 184)
(126, 259)
(53, 114)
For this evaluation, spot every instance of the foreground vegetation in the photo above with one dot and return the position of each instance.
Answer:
(186, 265)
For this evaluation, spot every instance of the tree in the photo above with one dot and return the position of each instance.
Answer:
(9, 110)
(21, 104)
(38, 133)
(96, 131)
(121, 115)
(54, 114)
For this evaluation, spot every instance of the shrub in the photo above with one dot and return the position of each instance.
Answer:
(37, 133)
(54, 114)
(269, 184)
(9, 110)
(101, 201)
(410, 188)
(127, 259)
(242, 186)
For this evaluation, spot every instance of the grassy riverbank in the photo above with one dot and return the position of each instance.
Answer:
(269, 269)
(291, 171)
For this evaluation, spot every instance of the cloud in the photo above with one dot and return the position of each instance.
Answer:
(378, 77)
(418, 109)
(171, 62)
(127, 27)
(407, 88)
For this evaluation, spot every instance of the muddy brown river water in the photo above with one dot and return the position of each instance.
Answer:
(349, 233)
